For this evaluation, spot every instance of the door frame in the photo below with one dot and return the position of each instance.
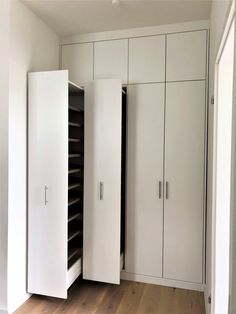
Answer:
(230, 19)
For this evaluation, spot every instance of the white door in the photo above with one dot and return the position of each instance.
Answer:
(102, 181)
(184, 181)
(144, 226)
(48, 183)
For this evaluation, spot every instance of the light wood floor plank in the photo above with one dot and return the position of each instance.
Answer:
(150, 300)
(131, 299)
(87, 297)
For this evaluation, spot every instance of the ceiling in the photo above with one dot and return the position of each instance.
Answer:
(69, 17)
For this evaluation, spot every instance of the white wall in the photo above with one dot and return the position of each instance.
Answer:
(4, 99)
(219, 13)
(33, 46)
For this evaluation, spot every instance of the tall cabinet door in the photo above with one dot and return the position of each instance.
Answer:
(48, 183)
(184, 178)
(102, 184)
(144, 226)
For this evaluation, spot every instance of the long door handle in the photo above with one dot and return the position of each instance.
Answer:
(101, 190)
(160, 189)
(45, 195)
(167, 190)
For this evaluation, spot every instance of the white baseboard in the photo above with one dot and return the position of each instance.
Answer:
(162, 281)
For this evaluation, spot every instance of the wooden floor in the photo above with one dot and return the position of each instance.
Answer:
(128, 298)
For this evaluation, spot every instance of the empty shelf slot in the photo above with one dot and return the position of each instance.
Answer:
(72, 217)
(73, 233)
(73, 252)
(71, 171)
(73, 200)
(75, 109)
(75, 140)
(77, 125)
(73, 186)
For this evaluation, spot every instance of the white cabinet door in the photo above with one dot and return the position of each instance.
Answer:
(48, 183)
(144, 226)
(111, 60)
(186, 56)
(102, 181)
(78, 59)
(184, 174)
(147, 59)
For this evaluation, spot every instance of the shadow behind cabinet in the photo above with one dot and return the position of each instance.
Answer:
(69, 221)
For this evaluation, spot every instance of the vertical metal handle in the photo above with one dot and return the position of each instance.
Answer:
(160, 190)
(45, 195)
(167, 190)
(101, 190)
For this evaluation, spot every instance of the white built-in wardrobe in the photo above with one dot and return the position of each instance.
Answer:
(146, 157)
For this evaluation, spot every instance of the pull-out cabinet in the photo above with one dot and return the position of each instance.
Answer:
(55, 202)
(68, 223)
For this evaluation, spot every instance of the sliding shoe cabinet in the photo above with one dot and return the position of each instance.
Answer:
(76, 182)
(55, 188)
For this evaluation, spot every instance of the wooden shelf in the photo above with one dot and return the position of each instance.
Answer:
(76, 125)
(75, 89)
(75, 140)
(74, 216)
(72, 171)
(74, 252)
(73, 200)
(75, 155)
(73, 186)
(75, 109)
(73, 233)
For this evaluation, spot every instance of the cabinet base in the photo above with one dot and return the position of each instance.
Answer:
(73, 273)
(162, 281)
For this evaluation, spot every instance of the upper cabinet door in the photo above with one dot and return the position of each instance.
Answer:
(186, 56)
(48, 183)
(78, 59)
(184, 174)
(102, 181)
(111, 60)
(147, 59)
